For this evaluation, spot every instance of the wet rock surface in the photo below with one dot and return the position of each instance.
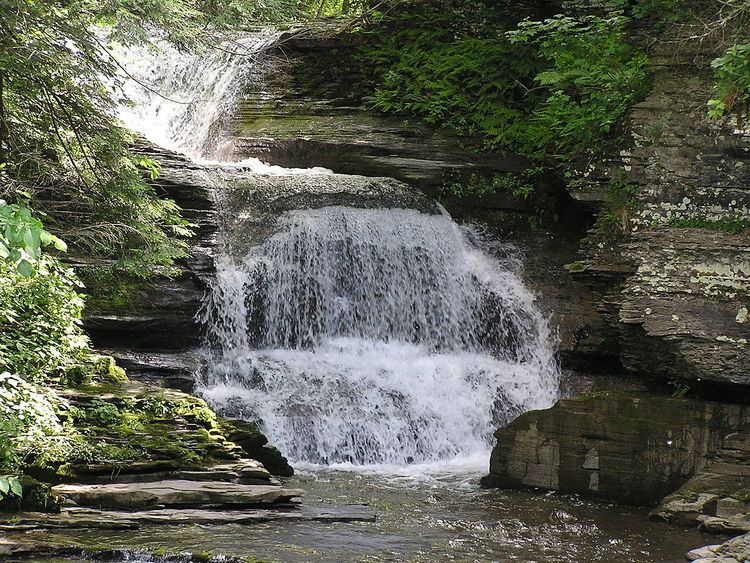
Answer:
(81, 517)
(163, 318)
(174, 493)
(717, 497)
(630, 447)
(736, 550)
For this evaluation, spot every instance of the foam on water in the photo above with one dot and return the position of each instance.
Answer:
(375, 337)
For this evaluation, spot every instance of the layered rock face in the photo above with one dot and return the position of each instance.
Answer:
(717, 497)
(677, 300)
(675, 297)
(681, 303)
(633, 448)
(152, 334)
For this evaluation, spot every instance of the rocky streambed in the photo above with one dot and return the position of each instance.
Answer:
(422, 515)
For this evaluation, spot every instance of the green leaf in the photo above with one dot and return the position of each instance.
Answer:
(15, 487)
(59, 244)
(25, 268)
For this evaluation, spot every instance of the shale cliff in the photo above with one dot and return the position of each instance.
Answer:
(675, 296)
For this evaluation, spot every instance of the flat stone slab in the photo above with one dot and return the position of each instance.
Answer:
(175, 493)
(79, 517)
(736, 550)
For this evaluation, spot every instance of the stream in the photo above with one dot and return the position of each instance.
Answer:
(378, 344)
(425, 514)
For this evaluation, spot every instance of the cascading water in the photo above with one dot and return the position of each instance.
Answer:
(181, 100)
(350, 334)
(375, 336)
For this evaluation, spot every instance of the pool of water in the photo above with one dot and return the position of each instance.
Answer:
(426, 514)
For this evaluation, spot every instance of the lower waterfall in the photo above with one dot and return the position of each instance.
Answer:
(374, 336)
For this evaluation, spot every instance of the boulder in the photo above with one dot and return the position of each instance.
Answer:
(736, 550)
(625, 446)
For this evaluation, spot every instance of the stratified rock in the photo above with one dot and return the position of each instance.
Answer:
(255, 444)
(81, 517)
(736, 550)
(682, 312)
(163, 318)
(306, 109)
(717, 497)
(177, 493)
(628, 447)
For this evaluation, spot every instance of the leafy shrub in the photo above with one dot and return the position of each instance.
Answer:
(28, 409)
(102, 413)
(592, 78)
(732, 72)
(40, 333)
(10, 486)
(553, 89)
(22, 238)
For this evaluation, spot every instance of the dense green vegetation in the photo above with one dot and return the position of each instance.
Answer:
(555, 89)
(732, 82)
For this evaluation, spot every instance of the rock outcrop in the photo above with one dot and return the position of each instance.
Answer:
(175, 494)
(633, 448)
(307, 108)
(717, 497)
(736, 550)
(162, 316)
(681, 310)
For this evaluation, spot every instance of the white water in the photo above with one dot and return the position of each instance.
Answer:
(183, 101)
(375, 337)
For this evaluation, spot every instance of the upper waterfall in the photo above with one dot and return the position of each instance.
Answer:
(181, 100)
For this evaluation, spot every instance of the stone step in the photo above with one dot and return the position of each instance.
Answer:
(245, 472)
(177, 493)
(78, 517)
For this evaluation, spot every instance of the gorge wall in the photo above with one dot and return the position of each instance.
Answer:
(675, 296)
(668, 303)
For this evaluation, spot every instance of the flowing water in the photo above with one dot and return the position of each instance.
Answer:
(378, 346)
(425, 515)
(375, 336)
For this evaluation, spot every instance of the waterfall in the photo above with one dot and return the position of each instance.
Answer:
(363, 333)
(183, 100)
(375, 336)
